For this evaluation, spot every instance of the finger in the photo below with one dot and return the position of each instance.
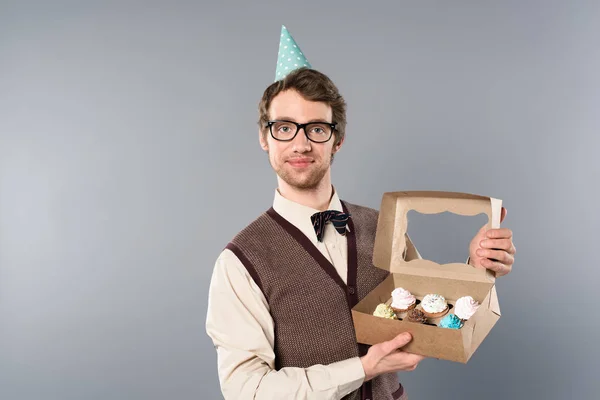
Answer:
(399, 341)
(482, 230)
(492, 265)
(503, 214)
(495, 266)
(416, 358)
(505, 259)
(499, 244)
(406, 358)
(499, 233)
(496, 255)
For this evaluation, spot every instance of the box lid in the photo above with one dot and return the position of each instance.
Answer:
(390, 239)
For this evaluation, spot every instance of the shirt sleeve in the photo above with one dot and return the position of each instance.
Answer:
(242, 329)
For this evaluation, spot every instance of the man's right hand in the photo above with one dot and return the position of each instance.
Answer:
(387, 357)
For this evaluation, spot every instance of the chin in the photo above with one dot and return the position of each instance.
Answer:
(305, 182)
(310, 178)
(305, 185)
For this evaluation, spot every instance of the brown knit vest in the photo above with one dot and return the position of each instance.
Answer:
(309, 302)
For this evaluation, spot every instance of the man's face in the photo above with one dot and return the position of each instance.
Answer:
(300, 163)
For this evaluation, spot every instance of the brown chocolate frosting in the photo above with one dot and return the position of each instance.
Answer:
(417, 316)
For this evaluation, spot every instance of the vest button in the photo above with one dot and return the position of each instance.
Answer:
(351, 290)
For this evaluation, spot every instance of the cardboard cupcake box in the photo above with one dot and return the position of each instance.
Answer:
(422, 277)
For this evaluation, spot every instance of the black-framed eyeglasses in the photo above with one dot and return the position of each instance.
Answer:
(285, 131)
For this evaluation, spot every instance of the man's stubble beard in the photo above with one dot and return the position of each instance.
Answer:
(304, 184)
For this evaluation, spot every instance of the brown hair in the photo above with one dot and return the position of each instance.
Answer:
(313, 86)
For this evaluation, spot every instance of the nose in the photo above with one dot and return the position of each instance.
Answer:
(301, 143)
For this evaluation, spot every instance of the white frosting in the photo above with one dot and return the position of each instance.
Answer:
(434, 303)
(402, 299)
(465, 307)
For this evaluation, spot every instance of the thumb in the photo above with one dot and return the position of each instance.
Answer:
(482, 231)
(399, 341)
(503, 213)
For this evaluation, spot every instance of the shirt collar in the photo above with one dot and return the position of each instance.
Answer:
(299, 215)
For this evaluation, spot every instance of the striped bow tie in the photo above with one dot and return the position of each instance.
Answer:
(337, 218)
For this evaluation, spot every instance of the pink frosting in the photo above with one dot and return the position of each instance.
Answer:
(402, 299)
(465, 307)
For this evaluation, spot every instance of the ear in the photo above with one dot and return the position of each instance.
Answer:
(262, 138)
(337, 147)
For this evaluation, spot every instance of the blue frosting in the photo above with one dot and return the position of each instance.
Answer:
(451, 321)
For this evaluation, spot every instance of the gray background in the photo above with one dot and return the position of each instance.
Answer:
(128, 131)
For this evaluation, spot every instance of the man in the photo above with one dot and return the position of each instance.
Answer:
(282, 290)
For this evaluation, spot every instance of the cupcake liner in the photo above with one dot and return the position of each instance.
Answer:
(436, 315)
(401, 311)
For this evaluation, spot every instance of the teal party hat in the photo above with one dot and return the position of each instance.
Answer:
(290, 56)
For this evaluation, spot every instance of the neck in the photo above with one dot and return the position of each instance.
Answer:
(318, 197)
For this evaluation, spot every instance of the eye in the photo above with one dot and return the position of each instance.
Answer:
(319, 130)
(284, 128)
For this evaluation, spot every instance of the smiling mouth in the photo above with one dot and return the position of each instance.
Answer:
(299, 163)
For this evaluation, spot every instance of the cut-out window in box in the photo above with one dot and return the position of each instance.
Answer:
(445, 237)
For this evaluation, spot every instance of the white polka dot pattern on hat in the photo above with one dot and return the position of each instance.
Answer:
(290, 56)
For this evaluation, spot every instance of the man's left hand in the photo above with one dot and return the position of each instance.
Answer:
(493, 249)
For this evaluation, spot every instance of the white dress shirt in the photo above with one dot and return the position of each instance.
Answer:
(242, 329)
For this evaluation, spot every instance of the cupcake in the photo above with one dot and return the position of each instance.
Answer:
(416, 315)
(434, 305)
(465, 307)
(402, 300)
(451, 321)
(384, 311)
